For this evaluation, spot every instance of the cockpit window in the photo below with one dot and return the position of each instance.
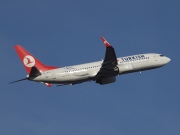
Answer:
(161, 55)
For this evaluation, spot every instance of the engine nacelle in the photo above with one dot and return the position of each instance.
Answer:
(125, 68)
(106, 80)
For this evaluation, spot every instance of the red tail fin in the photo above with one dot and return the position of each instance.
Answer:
(29, 60)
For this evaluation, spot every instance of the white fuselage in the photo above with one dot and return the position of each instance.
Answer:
(86, 72)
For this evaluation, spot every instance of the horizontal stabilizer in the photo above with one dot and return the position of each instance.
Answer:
(18, 80)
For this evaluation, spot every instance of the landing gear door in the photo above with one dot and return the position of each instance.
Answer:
(54, 76)
(155, 57)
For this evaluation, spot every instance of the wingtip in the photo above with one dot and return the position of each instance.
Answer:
(105, 42)
(102, 37)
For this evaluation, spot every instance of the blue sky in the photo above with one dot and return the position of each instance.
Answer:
(63, 33)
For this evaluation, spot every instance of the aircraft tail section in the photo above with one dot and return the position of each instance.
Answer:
(29, 61)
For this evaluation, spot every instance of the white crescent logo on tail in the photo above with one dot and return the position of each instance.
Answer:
(29, 61)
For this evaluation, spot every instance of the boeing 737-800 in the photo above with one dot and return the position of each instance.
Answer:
(103, 72)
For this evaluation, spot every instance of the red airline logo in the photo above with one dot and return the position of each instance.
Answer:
(29, 61)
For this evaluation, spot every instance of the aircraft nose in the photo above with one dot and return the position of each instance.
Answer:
(168, 59)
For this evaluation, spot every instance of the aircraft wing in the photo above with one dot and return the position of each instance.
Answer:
(109, 66)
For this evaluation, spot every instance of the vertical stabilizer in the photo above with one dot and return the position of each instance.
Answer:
(29, 61)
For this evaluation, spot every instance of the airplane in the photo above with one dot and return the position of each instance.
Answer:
(102, 72)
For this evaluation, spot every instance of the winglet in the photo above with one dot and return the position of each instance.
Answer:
(105, 42)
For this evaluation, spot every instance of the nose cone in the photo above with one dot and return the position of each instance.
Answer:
(168, 59)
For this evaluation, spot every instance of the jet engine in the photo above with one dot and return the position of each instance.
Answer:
(106, 80)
